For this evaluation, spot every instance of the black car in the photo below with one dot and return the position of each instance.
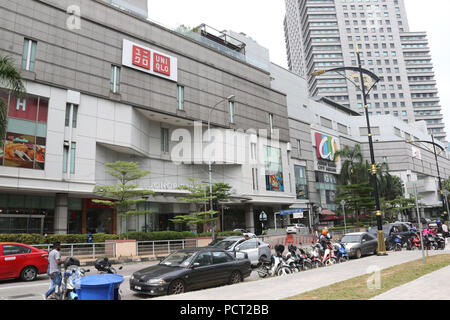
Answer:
(391, 230)
(190, 269)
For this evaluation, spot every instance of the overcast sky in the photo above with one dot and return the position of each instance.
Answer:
(263, 21)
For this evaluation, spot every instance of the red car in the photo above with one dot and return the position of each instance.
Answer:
(22, 261)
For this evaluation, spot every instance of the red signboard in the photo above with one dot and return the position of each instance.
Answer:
(161, 64)
(141, 57)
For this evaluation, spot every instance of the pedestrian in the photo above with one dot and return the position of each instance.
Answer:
(54, 269)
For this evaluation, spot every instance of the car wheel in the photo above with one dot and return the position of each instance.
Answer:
(358, 254)
(29, 273)
(176, 287)
(235, 277)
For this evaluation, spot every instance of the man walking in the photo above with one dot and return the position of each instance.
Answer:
(54, 267)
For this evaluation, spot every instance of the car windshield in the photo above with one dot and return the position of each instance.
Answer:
(224, 244)
(351, 239)
(178, 259)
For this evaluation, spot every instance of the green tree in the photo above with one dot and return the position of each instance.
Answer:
(125, 195)
(358, 197)
(352, 160)
(11, 79)
(199, 196)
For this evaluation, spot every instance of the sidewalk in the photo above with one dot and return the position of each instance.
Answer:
(433, 286)
(290, 285)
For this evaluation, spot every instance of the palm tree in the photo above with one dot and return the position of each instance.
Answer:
(351, 165)
(9, 78)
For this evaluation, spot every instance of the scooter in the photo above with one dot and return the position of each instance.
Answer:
(398, 243)
(314, 255)
(298, 262)
(72, 273)
(104, 266)
(340, 252)
(275, 265)
(328, 257)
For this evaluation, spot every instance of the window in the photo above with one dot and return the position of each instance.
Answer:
(66, 161)
(231, 111)
(180, 97)
(74, 109)
(204, 259)
(250, 244)
(164, 140)
(14, 249)
(29, 54)
(115, 79)
(72, 157)
(221, 257)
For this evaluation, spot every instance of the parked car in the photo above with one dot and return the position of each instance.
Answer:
(360, 243)
(391, 230)
(294, 228)
(190, 269)
(245, 232)
(254, 248)
(22, 261)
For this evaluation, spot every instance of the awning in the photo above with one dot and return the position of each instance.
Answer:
(326, 212)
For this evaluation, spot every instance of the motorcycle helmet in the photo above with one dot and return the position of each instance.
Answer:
(438, 221)
(70, 261)
(325, 231)
(102, 264)
(279, 248)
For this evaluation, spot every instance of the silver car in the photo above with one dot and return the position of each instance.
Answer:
(254, 248)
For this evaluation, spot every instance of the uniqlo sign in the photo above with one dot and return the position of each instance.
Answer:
(150, 61)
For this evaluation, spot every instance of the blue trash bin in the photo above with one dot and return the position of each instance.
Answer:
(99, 287)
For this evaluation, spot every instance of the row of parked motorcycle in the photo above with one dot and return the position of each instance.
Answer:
(299, 259)
(431, 241)
(73, 273)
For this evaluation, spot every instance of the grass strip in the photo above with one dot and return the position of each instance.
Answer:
(357, 288)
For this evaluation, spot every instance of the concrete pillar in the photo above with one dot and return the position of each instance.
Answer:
(61, 213)
(249, 218)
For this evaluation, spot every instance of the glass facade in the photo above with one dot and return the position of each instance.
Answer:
(301, 183)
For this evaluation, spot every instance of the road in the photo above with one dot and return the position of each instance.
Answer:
(18, 290)
(256, 288)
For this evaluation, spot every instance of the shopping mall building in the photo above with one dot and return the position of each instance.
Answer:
(106, 84)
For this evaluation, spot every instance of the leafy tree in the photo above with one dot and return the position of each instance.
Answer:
(358, 197)
(125, 194)
(199, 195)
(11, 79)
(351, 165)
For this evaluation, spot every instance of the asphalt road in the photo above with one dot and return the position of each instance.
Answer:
(18, 290)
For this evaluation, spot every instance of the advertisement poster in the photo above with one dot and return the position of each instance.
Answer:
(24, 145)
(274, 170)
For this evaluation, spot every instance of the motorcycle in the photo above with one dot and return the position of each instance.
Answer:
(314, 255)
(398, 243)
(440, 241)
(72, 273)
(340, 252)
(104, 266)
(298, 262)
(276, 265)
(414, 243)
(328, 257)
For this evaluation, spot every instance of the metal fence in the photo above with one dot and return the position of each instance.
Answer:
(108, 249)
(164, 248)
(84, 250)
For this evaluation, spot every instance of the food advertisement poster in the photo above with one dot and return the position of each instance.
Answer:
(24, 145)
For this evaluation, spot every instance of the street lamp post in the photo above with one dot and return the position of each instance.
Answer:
(343, 210)
(229, 99)
(441, 190)
(381, 251)
(446, 193)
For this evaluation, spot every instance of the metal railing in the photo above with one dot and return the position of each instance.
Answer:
(165, 247)
(108, 249)
(83, 250)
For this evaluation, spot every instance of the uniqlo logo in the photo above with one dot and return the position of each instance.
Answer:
(141, 57)
(161, 64)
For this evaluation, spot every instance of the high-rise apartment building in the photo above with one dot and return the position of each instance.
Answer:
(323, 34)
